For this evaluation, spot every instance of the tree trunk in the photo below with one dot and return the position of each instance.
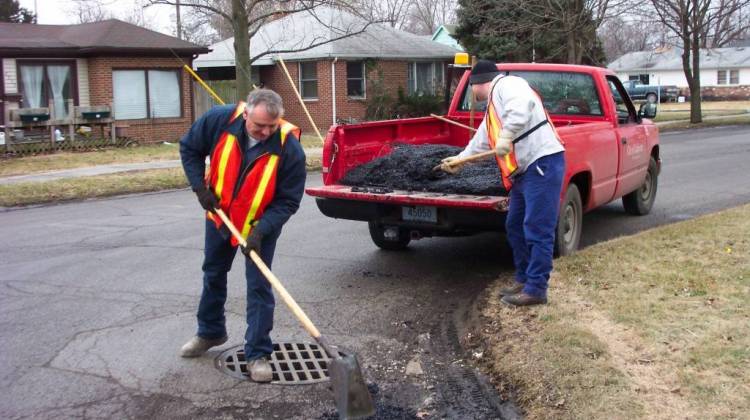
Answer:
(241, 48)
(696, 115)
(572, 47)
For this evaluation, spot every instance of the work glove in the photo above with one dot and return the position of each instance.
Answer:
(504, 143)
(253, 242)
(206, 198)
(446, 165)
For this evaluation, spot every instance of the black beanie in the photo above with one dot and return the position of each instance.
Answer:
(484, 71)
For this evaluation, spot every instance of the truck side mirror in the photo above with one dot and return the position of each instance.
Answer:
(647, 110)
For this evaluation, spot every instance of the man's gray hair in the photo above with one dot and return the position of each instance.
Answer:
(271, 99)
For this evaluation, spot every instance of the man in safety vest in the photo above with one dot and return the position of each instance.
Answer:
(257, 177)
(532, 164)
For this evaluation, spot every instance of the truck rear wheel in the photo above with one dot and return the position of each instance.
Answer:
(389, 238)
(651, 98)
(640, 201)
(569, 223)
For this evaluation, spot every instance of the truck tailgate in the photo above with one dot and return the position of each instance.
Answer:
(411, 198)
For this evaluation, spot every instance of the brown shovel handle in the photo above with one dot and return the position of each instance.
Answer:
(453, 122)
(275, 282)
(466, 159)
(472, 158)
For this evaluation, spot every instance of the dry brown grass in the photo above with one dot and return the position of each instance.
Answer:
(655, 325)
(96, 186)
(707, 105)
(69, 160)
(724, 121)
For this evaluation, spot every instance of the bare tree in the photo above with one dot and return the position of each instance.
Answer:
(620, 35)
(248, 16)
(137, 16)
(393, 12)
(728, 27)
(692, 21)
(87, 11)
(427, 15)
(578, 20)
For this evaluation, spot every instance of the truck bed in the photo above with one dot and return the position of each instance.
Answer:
(411, 198)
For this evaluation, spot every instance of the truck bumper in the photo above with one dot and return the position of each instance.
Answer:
(450, 220)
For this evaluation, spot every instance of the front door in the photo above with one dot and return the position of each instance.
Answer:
(632, 141)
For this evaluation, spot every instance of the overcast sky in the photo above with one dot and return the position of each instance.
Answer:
(59, 12)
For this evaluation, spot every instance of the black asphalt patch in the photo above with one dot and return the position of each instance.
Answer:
(409, 168)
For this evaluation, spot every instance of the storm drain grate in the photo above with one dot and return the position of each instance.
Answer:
(292, 363)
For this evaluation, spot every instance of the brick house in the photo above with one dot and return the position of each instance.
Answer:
(335, 79)
(109, 63)
(725, 72)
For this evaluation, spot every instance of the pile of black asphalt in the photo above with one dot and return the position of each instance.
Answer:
(409, 168)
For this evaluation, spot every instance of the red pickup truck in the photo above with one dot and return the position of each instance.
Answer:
(612, 151)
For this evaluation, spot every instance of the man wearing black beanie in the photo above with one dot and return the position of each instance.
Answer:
(532, 163)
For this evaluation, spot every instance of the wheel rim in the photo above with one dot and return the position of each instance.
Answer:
(569, 226)
(646, 188)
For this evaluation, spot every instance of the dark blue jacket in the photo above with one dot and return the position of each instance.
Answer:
(290, 181)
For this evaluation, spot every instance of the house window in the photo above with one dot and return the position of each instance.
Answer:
(139, 94)
(721, 77)
(45, 82)
(308, 79)
(425, 78)
(734, 77)
(355, 79)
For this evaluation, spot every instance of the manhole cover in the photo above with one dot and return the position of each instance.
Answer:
(292, 363)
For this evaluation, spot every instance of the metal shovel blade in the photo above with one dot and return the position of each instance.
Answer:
(352, 397)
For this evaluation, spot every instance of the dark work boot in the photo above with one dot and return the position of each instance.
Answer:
(514, 288)
(523, 299)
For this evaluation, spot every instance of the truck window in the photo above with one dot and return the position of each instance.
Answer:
(623, 106)
(561, 93)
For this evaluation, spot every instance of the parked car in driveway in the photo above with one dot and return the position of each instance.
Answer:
(637, 90)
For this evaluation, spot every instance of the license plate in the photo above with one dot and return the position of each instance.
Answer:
(419, 214)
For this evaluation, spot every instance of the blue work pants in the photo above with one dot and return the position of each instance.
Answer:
(218, 256)
(531, 221)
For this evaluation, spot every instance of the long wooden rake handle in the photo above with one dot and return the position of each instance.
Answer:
(275, 282)
(453, 122)
(467, 159)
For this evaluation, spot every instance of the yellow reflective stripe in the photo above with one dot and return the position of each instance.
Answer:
(225, 153)
(285, 128)
(509, 163)
(268, 172)
(494, 123)
(240, 108)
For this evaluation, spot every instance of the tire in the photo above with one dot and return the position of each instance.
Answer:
(569, 223)
(651, 98)
(377, 233)
(640, 201)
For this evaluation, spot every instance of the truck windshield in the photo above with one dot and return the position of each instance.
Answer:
(561, 93)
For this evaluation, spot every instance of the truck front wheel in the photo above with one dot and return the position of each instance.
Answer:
(651, 98)
(389, 238)
(569, 223)
(640, 201)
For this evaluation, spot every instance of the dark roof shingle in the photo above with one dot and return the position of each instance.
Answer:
(108, 36)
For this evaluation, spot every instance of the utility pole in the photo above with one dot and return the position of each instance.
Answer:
(179, 27)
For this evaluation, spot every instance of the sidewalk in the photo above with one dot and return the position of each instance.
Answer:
(313, 152)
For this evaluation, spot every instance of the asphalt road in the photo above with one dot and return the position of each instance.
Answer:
(97, 297)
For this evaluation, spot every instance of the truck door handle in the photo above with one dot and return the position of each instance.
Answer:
(624, 140)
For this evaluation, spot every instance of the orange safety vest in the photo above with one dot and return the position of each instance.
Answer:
(243, 196)
(494, 125)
